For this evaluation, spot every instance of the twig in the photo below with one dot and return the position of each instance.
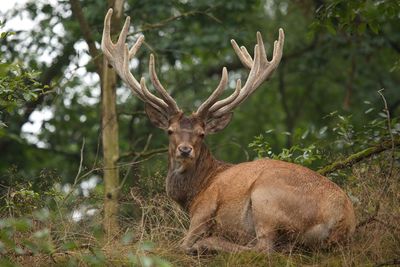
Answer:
(371, 218)
(80, 163)
(164, 22)
(389, 175)
(87, 33)
(146, 146)
(143, 153)
(393, 143)
(77, 178)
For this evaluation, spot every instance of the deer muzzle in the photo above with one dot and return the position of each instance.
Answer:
(185, 151)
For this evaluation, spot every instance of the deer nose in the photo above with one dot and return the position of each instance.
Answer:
(185, 150)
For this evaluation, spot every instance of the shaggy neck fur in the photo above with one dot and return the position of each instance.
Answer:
(185, 182)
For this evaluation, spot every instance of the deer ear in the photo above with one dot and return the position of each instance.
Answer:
(217, 124)
(158, 118)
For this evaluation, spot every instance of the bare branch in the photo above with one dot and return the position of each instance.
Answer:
(87, 33)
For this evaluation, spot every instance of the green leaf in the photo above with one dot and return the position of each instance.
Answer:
(361, 28)
(369, 110)
(374, 27)
(329, 26)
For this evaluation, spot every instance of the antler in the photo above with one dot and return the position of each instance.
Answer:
(260, 70)
(119, 55)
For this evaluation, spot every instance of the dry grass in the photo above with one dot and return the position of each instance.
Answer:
(161, 225)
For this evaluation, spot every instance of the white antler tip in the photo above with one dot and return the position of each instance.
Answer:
(107, 19)
(281, 33)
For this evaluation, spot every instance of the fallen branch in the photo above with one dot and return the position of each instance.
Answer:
(359, 156)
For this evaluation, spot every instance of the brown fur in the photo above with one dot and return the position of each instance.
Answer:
(252, 204)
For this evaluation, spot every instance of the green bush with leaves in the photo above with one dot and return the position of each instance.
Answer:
(17, 85)
(340, 138)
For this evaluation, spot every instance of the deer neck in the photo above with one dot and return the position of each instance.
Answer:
(185, 182)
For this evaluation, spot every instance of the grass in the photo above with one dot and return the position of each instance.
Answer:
(153, 227)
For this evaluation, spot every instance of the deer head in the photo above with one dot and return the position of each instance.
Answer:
(186, 133)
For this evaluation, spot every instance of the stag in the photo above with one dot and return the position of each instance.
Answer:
(232, 207)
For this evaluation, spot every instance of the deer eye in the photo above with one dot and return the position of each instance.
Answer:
(201, 134)
(170, 132)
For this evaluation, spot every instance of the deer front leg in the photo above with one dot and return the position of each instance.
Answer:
(199, 226)
(202, 215)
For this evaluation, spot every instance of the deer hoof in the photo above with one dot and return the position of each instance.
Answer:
(189, 250)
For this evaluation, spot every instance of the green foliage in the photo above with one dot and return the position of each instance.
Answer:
(39, 224)
(340, 138)
(153, 185)
(356, 16)
(17, 85)
(296, 154)
(141, 259)
(19, 236)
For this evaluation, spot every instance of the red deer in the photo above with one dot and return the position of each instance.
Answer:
(232, 207)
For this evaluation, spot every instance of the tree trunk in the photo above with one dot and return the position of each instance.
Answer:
(110, 135)
(110, 150)
(109, 119)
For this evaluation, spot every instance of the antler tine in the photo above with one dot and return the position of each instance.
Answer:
(156, 83)
(118, 55)
(106, 38)
(124, 32)
(260, 70)
(152, 99)
(136, 46)
(229, 99)
(143, 93)
(243, 55)
(276, 58)
(203, 109)
(127, 76)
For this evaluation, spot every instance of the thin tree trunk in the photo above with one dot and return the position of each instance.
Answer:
(109, 119)
(110, 135)
(110, 150)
